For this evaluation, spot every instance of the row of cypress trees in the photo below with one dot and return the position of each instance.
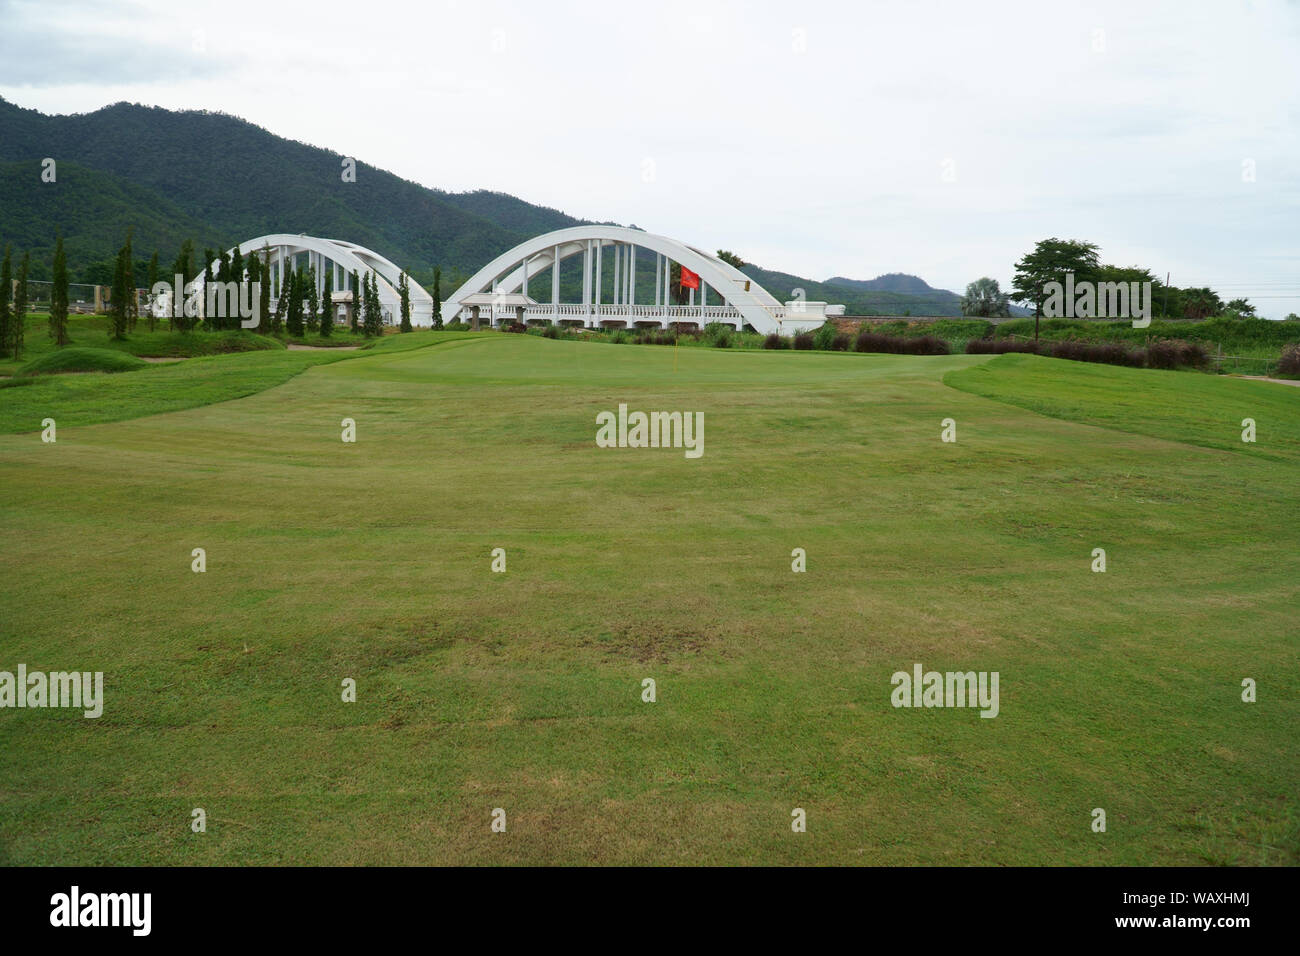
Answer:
(300, 308)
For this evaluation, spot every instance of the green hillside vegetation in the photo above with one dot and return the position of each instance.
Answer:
(218, 180)
(228, 180)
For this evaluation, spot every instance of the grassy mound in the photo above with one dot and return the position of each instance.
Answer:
(82, 359)
(192, 344)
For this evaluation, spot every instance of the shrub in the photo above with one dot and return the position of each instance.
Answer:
(873, 342)
(926, 345)
(551, 332)
(804, 341)
(824, 337)
(517, 327)
(1000, 346)
(774, 341)
(842, 342)
(660, 337)
(899, 344)
(1107, 353)
(1288, 366)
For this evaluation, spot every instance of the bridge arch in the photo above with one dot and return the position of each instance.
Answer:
(501, 286)
(343, 258)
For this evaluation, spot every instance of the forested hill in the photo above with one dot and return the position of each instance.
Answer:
(218, 179)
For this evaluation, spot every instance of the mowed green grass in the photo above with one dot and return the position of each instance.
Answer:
(522, 690)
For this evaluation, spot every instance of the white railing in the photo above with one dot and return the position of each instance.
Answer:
(633, 313)
(648, 312)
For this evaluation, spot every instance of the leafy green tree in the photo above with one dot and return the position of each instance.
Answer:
(59, 295)
(18, 326)
(731, 259)
(1240, 308)
(404, 290)
(1050, 260)
(6, 290)
(983, 299)
(437, 297)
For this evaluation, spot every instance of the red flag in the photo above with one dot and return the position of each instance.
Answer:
(689, 279)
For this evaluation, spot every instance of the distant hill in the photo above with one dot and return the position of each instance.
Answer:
(899, 282)
(218, 179)
(895, 290)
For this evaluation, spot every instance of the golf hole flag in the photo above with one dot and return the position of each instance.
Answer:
(689, 279)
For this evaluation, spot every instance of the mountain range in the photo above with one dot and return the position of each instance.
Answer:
(217, 179)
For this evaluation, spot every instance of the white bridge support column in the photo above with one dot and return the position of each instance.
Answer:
(586, 280)
(618, 276)
(667, 280)
(600, 281)
(555, 286)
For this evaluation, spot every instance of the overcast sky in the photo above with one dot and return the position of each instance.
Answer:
(940, 139)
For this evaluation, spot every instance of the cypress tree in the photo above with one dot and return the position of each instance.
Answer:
(182, 266)
(327, 306)
(253, 277)
(293, 315)
(437, 297)
(131, 308)
(152, 280)
(313, 301)
(374, 317)
(356, 301)
(59, 295)
(117, 308)
(264, 293)
(404, 289)
(6, 289)
(20, 308)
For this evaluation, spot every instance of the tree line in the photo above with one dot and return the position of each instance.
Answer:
(1052, 259)
(304, 306)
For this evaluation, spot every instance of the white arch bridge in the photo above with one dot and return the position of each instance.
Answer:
(499, 292)
(334, 262)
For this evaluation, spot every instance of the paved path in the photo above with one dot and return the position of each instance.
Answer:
(1279, 381)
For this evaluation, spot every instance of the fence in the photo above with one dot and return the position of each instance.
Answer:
(83, 297)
